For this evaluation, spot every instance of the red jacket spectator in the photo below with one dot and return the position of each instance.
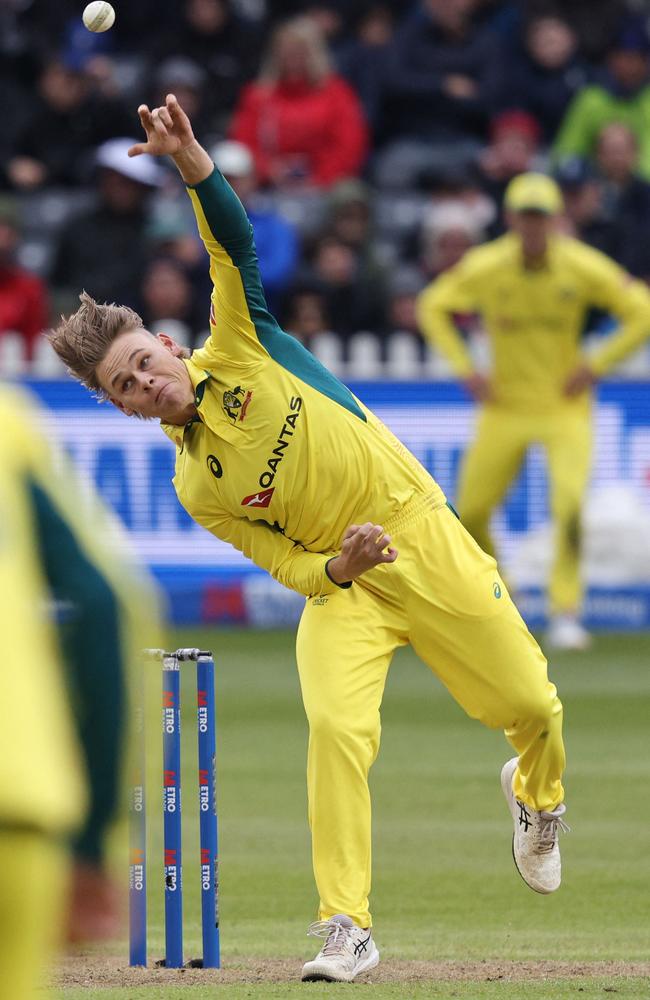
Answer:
(23, 305)
(23, 300)
(303, 123)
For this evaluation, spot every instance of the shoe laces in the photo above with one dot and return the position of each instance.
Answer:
(550, 825)
(332, 930)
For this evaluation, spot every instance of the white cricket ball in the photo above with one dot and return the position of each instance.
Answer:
(98, 16)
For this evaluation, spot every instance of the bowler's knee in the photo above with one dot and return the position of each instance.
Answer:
(332, 727)
(539, 710)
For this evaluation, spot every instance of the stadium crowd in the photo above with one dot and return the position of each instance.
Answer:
(370, 140)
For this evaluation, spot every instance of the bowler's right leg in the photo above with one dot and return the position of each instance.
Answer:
(344, 647)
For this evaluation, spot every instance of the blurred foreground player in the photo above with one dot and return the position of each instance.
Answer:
(533, 289)
(277, 457)
(62, 709)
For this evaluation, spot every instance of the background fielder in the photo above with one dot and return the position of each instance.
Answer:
(534, 288)
(63, 703)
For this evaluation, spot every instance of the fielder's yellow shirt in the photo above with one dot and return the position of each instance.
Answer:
(282, 458)
(62, 685)
(534, 318)
(42, 784)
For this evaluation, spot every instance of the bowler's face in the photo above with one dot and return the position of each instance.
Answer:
(144, 374)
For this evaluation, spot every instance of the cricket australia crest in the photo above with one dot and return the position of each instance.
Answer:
(235, 403)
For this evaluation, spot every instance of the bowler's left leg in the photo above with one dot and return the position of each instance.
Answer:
(464, 625)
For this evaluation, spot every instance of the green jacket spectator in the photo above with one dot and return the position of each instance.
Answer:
(622, 96)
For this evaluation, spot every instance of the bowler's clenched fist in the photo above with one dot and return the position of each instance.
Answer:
(364, 546)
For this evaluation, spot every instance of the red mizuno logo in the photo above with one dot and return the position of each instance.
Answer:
(261, 499)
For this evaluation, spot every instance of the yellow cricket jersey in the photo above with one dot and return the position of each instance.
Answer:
(282, 457)
(41, 777)
(534, 318)
(62, 686)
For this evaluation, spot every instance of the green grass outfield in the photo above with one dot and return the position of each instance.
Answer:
(445, 888)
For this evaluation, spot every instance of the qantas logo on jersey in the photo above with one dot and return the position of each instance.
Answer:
(261, 499)
(284, 439)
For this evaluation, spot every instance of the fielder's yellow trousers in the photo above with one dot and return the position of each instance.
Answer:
(444, 596)
(33, 902)
(493, 461)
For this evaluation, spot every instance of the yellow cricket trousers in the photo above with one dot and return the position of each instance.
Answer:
(444, 596)
(493, 461)
(33, 902)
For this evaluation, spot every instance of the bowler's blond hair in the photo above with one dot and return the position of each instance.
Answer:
(82, 339)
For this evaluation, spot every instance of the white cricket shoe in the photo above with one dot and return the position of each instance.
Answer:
(566, 632)
(535, 847)
(348, 951)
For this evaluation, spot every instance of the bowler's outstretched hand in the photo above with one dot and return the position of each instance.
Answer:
(364, 546)
(167, 128)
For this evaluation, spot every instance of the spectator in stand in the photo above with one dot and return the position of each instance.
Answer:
(501, 16)
(442, 83)
(331, 18)
(362, 60)
(583, 203)
(625, 198)
(354, 299)
(622, 96)
(403, 290)
(595, 22)
(17, 104)
(513, 149)
(607, 204)
(305, 311)
(350, 219)
(302, 122)
(93, 52)
(276, 239)
(349, 214)
(449, 229)
(447, 233)
(548, 73)
(225, 46)
(67, 122)
(188, 81)
(168, 302)
(105, 250)
(23, 299)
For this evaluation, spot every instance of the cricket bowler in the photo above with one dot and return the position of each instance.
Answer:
(533, 289)
(277, 457)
